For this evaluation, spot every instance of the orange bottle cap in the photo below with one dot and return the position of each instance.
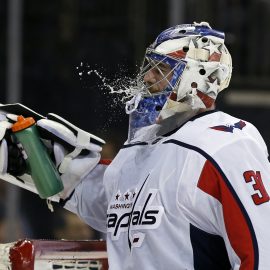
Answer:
(22, 123)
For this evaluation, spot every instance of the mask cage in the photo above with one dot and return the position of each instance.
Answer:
(149, 105)
(152, 61)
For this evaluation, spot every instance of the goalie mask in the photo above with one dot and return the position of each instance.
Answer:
(183, 71)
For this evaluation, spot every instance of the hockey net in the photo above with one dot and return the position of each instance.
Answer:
(53, 255)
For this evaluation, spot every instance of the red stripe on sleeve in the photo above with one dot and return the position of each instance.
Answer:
(236, 225)
(105, 161)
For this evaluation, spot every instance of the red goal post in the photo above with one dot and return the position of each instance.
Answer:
(29, 254)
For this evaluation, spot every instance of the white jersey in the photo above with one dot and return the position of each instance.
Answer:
(195, 199)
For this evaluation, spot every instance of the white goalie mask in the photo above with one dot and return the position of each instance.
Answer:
(199, 65)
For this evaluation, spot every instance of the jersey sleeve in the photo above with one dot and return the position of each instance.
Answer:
(244, 187)
(89, 201)
(230, 198)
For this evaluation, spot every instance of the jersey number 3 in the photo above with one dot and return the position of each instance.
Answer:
(261, 196)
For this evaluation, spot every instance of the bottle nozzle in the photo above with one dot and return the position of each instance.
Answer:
(22, 123)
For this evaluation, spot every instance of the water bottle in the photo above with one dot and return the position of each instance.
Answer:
(43, 171)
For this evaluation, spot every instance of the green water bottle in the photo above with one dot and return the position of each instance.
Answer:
(43, 172)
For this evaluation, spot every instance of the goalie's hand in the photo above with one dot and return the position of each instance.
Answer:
(12, 162)
(11, 157)
(76, 152)
(16, 162)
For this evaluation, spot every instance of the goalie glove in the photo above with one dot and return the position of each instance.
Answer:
(12, 163)
(76, 152)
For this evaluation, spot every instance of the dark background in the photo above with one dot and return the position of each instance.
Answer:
(62, 40)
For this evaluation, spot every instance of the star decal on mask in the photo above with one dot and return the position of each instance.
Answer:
(209, 67)
(213, 87)
(213, 48)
